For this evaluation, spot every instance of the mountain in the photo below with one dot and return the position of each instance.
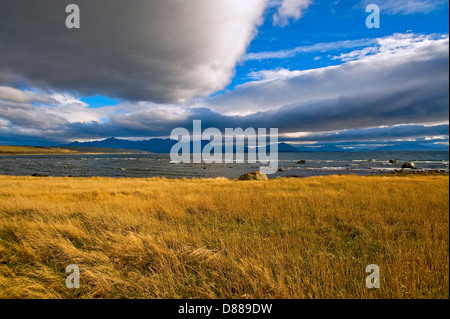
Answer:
(411, 146)
(162, 146)
(286, 148)
(321, 148)
(153, 145)
(165, 146)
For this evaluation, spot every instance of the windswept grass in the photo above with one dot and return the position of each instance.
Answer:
(6, 150)
(32, 150)
(286, 238)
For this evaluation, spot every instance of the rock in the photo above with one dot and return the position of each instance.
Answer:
(393, 161)
(37, 175)
(301, 162)
(255, 176)
(409, 165)
(281, 169)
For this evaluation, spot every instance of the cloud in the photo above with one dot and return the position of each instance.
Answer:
(387, 74)
(394, 44)
(400, 132)
(290, 10)
(161, 50)
(318, 47)
(406, 7)
(8, 94)
(405, 84)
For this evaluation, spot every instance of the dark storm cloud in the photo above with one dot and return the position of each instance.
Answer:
(158, 50)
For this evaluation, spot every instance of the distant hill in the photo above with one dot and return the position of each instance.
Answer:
(165, 146)
(282, 148)
(322, 148)
(408, 146)
(161, 146)
(43, 150)
(153, 145)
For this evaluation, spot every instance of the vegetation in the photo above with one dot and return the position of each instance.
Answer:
(41, 150)
(285, 238)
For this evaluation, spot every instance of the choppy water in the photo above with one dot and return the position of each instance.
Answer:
(151, 165)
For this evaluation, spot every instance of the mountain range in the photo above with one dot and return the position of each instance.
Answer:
(165, 146)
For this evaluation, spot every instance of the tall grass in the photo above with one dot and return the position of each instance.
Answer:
(286, 238)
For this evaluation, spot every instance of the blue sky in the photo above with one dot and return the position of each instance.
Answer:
(310, 68)
(331, 22)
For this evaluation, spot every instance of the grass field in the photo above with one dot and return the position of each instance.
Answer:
(31, 150)
(34, 150)
(286, 238)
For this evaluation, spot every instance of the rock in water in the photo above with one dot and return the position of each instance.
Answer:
(281, 169)
(410, 165)
(393, 161)
(37, 175)
(255, 176)
(301, 162)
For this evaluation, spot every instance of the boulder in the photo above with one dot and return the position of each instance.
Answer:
(37, 175)
(255, 176)
(281, 169)
(409, 165)
(393, 161)
(302, 162)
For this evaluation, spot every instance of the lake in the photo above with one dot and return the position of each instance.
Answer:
(152, 165)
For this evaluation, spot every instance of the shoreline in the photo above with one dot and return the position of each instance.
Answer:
(69, 154)
(393, 174)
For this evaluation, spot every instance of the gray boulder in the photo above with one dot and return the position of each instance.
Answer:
(409, 165)
(255, 176)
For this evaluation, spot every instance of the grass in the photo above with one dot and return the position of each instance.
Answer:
(32, 150)
(286, 238)
(6, 150)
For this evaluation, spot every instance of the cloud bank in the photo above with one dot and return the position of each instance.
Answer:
(159, 50)
(403, 83)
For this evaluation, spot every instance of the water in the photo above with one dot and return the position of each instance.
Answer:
(151, 165)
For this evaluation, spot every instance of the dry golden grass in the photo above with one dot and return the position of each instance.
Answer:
(31, 150)
(286, 238)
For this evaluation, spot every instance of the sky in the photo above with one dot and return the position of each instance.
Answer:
(310, 68)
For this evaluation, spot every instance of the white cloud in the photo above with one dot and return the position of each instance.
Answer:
(318, 47)
(400, 63)
(12, 95)
(396, 44)
(3, 123)
(290, 10)
(406, 6)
